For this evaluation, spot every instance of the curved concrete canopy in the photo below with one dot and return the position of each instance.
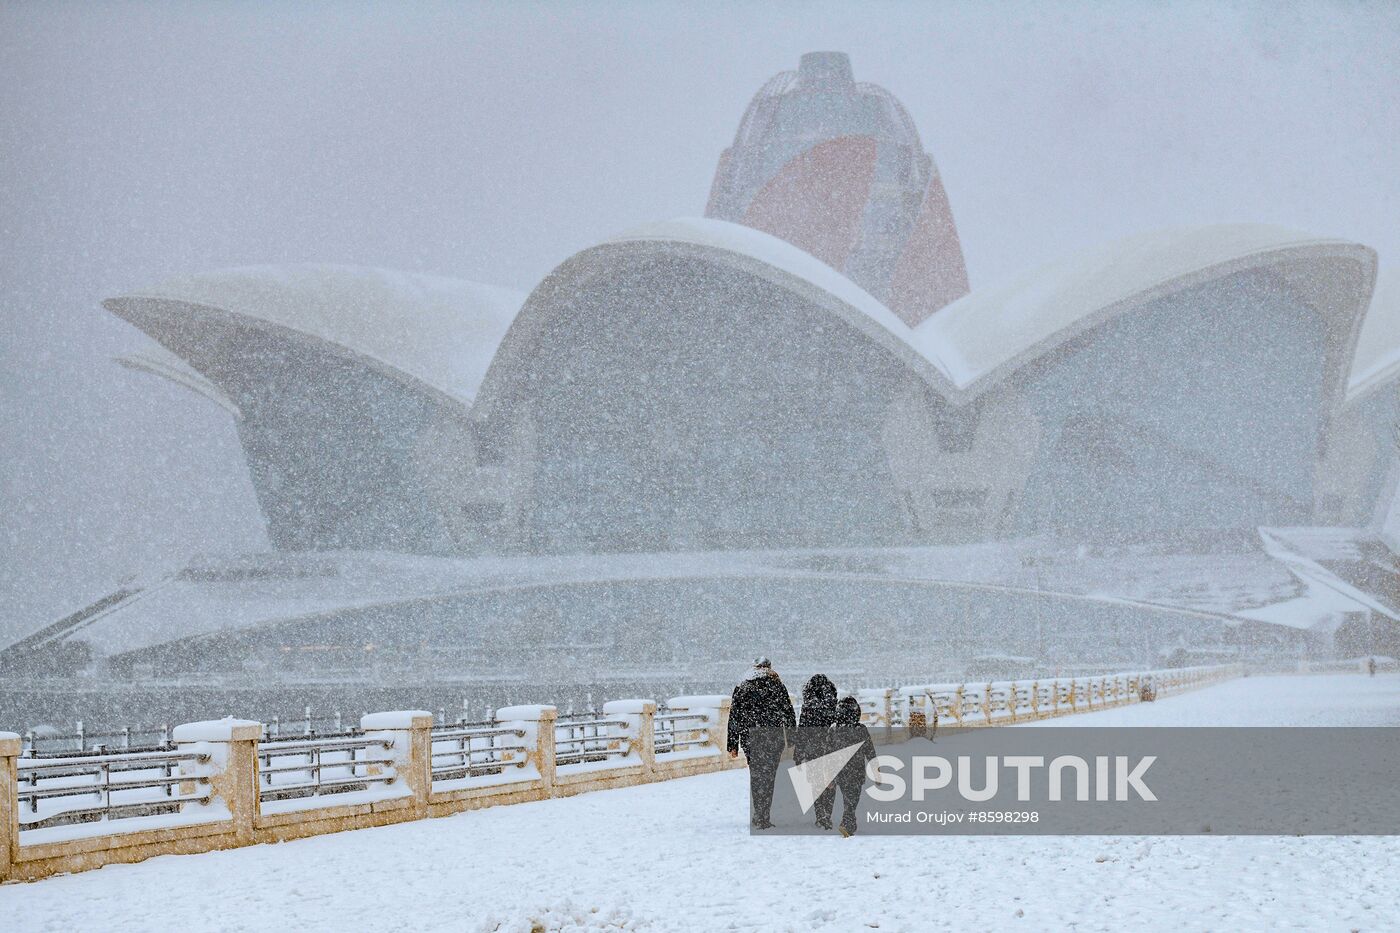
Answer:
(984, 336)
(158, 361)
(438, 331)
(727, 245)
(976, 342)
(1377, 361)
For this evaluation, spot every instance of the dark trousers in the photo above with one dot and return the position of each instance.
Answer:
(763, 771)
(850, 799)
(825, 804)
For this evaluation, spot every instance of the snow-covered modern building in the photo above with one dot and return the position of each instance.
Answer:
(802, 371)
(700, 385)
(351, 389)
(1362, 471)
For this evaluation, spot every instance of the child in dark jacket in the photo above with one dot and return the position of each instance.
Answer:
(847, 731)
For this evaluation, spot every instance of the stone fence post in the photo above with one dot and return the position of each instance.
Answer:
(232, 770)
(639, 732)
(411, 732)
(537, 722)
(9, 802)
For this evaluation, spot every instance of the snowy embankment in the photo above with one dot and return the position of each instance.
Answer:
(677, 855)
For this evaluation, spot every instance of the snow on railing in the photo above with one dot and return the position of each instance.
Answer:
(674, 731)
(582, 738)
(477, 749)
(46, 742)
(997, 702)
(321, 767)
(230, 782)
(93, 787)
(307, 725)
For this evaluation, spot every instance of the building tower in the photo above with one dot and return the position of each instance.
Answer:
(835, 166)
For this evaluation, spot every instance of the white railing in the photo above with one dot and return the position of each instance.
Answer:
(229, 782)
(320, 767)
(974, 703)
(477, 749)
(101, 787)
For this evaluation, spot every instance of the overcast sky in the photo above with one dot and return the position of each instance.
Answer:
(490, 142)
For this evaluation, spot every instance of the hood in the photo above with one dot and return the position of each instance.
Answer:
(819, 691)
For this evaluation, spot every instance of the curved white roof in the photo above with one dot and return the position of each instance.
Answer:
(977, 340)
(446, 332)
(1377, 360)
(796, 268)
(440, 331)
(990, 332)
(738, 247)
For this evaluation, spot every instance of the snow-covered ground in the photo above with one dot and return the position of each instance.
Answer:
(677, 855)
(1318, 700)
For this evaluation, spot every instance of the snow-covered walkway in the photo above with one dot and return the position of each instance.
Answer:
(677, 855)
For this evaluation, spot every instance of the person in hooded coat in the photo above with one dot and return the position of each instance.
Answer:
(814, 736)
(848, 731)
(760, 718)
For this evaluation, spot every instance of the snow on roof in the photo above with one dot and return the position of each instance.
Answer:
(721, 237)
(992, 331)
(440, 331)
(445, 332)
(1377, 360)
(979, 339)
(728, 244)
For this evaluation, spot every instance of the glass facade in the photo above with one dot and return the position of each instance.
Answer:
(1199, 410)
(680, 406)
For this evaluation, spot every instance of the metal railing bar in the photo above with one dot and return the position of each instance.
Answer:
(87, 790)
(116, 811)
(268, 792)
(302, 747)
(32, 764)
(325, 765)
(447, 774)
(473, 734)
(685, 742)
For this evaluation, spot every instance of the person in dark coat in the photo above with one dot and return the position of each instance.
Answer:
(814, 736)
(847, 731)
(760, 717)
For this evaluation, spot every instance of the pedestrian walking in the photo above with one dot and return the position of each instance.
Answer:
(814, 736)
(760, 719)
(849, 731)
